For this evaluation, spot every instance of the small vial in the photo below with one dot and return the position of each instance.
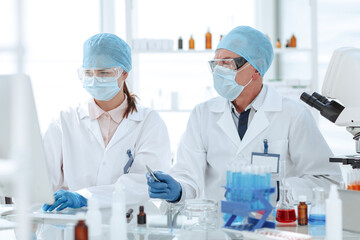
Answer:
(180, 43)
(81, 230)
(302, 211)
(141, 217)
(208, 39)
(221, 37)
(287, 43)
(278, 43)
(293, 41)
(191, 43)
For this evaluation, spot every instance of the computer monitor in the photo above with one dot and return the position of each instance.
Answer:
(21, 141)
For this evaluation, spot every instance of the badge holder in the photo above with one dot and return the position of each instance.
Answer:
(266, 159)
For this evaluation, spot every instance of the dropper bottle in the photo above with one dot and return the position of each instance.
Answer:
(333, 215)
(141, 217)
(93, 219)
(118, 228)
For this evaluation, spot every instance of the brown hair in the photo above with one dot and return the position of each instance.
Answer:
(131, 101)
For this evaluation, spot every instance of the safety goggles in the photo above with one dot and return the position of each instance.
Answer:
(233, 64)
(101, 75)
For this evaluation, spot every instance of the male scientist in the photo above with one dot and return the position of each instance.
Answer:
(248, 119)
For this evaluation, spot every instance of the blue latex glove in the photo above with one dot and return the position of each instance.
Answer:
(64, 199)
(168, 188)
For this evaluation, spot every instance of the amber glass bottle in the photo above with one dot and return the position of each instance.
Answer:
(278, 43)
(293, 41)
(81, 230)
(302, 211)
(208, 39)
(141, 217)
(191, 43)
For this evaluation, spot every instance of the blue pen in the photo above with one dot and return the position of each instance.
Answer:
(129, 163)
(266, 146)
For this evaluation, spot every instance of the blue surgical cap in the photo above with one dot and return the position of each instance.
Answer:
(106, 50)
(250, 44)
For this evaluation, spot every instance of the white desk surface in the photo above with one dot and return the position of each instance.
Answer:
(57, 228)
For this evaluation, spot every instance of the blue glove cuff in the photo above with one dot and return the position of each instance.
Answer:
(83, 201)
(177, 199)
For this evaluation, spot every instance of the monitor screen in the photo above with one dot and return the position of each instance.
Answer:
(21, 145)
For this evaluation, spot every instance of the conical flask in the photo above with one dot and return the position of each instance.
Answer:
(285, 212)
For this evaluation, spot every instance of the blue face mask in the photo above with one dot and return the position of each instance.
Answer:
(101, 89)
(225, 84)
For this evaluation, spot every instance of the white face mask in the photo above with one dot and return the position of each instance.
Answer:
(102, 90)
(225, 84)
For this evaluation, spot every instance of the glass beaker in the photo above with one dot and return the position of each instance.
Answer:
(285, 212)
(201, 215)
(317, 210)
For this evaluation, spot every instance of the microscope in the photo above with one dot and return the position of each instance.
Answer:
(342, 82)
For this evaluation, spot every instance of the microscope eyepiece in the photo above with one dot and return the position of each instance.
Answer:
(312, 101)
(320, 97)
(328, 109)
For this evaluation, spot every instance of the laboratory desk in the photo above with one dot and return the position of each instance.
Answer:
(157, 227)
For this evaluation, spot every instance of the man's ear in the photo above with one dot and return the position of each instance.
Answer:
(256, 75)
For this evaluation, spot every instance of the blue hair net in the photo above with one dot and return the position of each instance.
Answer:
(106, 50)
(250, 44)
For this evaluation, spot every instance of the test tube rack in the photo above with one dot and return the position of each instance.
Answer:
(254, 201)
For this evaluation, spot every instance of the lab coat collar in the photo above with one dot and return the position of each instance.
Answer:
(268, 100)
(272, 101)
(255, 104)
(116, 114)
(125, 126)
(138, 115)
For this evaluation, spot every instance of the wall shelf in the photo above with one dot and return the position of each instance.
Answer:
(291, 50)
(174, 51)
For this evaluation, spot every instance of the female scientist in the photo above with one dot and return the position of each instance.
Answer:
(109, 139)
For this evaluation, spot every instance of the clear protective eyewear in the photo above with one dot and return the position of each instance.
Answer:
(102, 75)
(233, 64)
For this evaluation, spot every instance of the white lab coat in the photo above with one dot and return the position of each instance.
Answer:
(79, 161)
(211, 141)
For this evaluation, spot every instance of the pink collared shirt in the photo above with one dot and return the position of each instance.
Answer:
(108, 121)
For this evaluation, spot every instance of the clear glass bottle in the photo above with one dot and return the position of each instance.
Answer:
(285, 212)
(317, 210)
